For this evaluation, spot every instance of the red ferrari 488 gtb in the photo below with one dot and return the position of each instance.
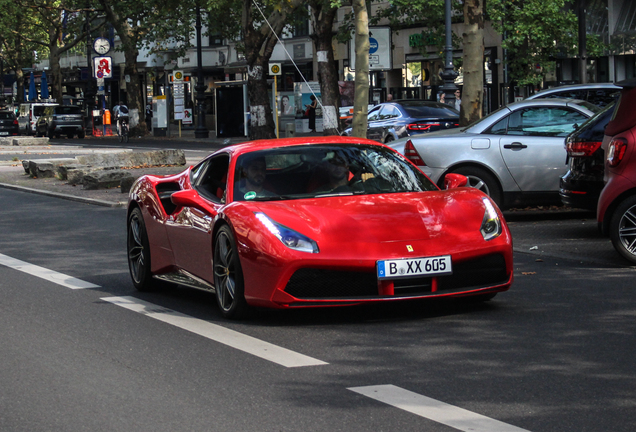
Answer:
(311, 222)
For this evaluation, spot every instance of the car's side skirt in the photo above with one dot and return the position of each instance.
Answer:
(184, 278)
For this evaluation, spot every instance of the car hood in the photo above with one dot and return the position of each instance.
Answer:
(371, 222)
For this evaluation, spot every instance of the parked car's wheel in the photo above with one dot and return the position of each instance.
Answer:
(139, 253)
(388, 139)
(81, 135)
(50, 133)
(622, 229)
(228, 275)
(481, 179)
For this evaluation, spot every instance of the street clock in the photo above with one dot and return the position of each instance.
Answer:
(101, 45)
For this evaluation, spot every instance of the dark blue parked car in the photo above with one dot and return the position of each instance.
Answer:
(392, 120)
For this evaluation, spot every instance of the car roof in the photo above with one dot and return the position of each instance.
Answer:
(589, 86)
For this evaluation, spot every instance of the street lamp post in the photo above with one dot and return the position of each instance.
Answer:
(89, 94)
(201, 131)
(449, 73)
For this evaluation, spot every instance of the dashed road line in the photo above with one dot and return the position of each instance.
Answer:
(234, 339)
(435, 410)
(46, 274)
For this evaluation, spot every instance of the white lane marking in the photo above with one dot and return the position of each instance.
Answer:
(435, 410)
(234, 339)
(46, 274)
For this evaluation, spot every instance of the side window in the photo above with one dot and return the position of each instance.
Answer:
(373, 114)
(544, 121)
(210, 178)
(389, 111)
(500, 127)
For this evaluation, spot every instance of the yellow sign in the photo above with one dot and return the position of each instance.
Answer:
(178, 76)
(274, 69)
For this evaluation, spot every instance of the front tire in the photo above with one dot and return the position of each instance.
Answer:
(481, 179)
(139, 253)
(228, 276)
(622, 229)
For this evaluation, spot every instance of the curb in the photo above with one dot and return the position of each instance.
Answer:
(92, 201)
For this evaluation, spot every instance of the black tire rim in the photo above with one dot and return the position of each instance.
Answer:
(627, 230)
(136, 249)
(225, 272)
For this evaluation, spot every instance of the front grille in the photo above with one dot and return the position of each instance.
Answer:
(311, 283)
(317, 283)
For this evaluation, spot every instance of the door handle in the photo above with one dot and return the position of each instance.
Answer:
(515, 146)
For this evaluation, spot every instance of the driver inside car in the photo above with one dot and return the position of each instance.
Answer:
(253, 179)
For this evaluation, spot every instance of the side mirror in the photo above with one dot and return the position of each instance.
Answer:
(454, 180)
(185, 198)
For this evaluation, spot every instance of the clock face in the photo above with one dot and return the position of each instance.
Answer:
(101, 45)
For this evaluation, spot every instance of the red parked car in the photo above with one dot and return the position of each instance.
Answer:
(616, 213)
(311, 222)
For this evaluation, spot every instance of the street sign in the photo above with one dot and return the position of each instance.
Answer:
(178, 76)
(103, 67)
(275, 69)
(187, 116)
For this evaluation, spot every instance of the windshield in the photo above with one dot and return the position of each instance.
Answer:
(311, 171)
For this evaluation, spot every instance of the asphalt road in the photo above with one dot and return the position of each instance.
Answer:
(555, 353)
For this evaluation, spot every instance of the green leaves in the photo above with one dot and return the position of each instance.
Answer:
(535, 32)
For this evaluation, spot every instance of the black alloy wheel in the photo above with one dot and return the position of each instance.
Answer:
(622, 229)
(228, 276)
(139, 252)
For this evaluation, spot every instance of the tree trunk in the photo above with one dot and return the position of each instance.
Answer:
(262, 124)
(133, 89)
(128, 36)
(259, 42)
(55, 78)
(361, 100)
(19, 76)
(472, 97)
(323, 17)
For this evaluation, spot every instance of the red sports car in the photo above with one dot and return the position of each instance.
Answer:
(310, 222)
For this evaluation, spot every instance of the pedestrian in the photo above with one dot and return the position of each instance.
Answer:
(442, 98)
(389, 97)
(458, 99)
(311, 108)
(149, 117)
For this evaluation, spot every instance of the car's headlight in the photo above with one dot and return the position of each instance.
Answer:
(289, 237)
(491, 224)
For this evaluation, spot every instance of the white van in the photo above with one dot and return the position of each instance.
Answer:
(29, 114)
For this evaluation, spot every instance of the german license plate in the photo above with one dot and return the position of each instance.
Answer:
(413, 267)
(4, 133)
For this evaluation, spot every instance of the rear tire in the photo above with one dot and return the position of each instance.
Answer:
(481, 179)
(139, 253)
(622, 229)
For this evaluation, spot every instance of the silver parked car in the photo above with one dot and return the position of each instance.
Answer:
(516, 154)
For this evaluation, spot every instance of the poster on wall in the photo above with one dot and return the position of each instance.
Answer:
(287, 105)
(379, 49)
